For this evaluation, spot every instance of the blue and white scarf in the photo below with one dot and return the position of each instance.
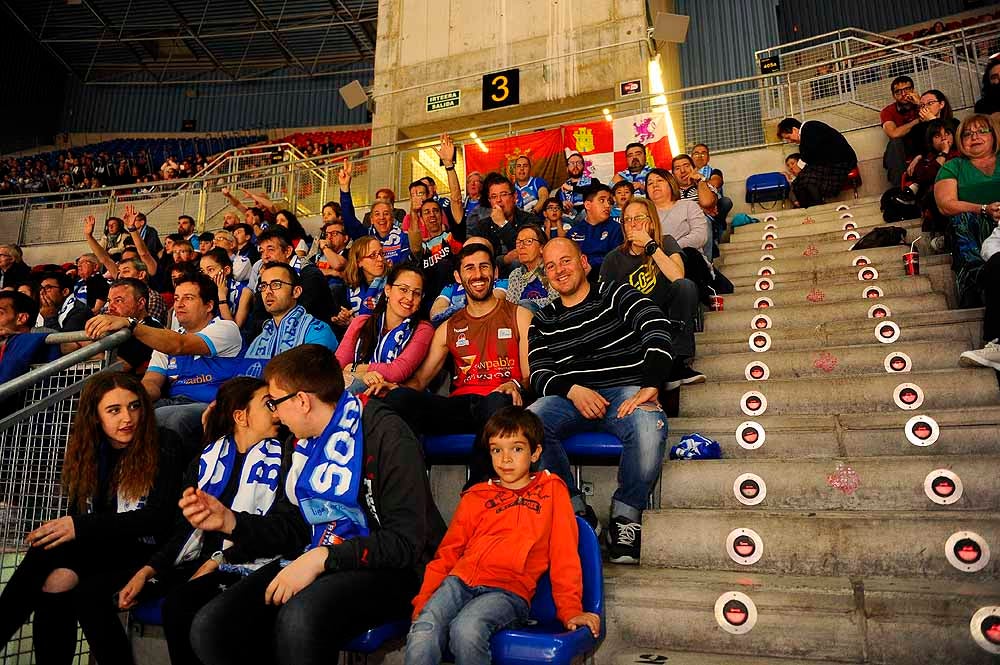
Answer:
(364, 298)
(256, 492)
(236, 290)
(326, 477)
(389, 346)
(288, 334)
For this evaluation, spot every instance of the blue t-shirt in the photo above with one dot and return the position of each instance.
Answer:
(596, 240)
(527, 195)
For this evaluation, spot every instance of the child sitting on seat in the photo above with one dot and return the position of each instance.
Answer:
(505, 534)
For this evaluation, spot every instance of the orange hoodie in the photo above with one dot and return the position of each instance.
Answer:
(507, 539)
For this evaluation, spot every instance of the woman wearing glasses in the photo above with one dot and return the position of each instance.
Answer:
(121, 476)
(389, 344)
(242, 468)
(527, 285)
(365, 274)
(967, 189)
(654, 266)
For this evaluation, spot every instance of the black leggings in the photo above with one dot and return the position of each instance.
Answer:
(184, 599)
(103, 569)
(239, 628)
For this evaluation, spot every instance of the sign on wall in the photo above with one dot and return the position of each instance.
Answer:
(770, 65)
(444, 100)
(501, 89)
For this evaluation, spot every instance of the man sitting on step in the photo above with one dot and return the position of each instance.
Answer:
(597, 359)
(826, 159)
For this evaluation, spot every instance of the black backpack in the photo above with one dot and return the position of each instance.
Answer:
(899, 204)
(882, 236)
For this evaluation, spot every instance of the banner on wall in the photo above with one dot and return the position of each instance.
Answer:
(602, 143)
(544, 149)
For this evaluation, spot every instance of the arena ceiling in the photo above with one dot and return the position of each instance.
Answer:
(150, 42)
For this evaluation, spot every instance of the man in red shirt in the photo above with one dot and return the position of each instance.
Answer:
(897, 120)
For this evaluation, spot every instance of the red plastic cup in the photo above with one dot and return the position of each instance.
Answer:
(717, 303)
(911, 263)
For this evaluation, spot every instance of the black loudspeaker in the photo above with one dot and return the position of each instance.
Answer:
(187, 125)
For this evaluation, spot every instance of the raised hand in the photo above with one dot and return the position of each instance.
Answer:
(345, 175)
(446, 151)
(129, 215)
(89, 222)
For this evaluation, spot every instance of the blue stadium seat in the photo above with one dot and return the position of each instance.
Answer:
(148, 613)
(592, 447)
(370, 642)
(546, 640)
(448, 448)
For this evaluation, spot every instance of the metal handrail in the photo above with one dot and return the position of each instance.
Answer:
(25, 381)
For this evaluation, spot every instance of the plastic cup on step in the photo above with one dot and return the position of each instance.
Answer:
(717, 303)
(911, 263)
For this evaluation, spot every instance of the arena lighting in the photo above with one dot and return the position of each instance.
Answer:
(479, 142)
(659, 102)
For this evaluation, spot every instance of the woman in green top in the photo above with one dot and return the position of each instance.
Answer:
(968, 190)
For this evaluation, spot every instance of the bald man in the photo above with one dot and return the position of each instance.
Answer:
(597, 360)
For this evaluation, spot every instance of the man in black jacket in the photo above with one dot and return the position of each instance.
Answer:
(305, 612)
(826, 159)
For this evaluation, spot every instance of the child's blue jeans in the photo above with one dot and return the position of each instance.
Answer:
(463, 619)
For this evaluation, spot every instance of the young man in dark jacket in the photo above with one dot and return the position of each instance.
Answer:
(358, 481)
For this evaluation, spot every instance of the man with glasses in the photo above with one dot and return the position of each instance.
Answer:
(637, 170)
(290, 325)
(13, 271)
(187, 365)
(316, 297)
(897, 119)
(572, 191)
(90, 288)
(500, 222)
(59, 309)
(331, 259)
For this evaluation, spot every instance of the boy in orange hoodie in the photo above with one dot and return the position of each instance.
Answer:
(505, 534)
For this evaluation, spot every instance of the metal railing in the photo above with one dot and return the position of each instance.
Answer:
(32, 446)
(846, 90)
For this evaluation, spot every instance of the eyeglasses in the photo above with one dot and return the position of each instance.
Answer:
(501, 195)
(699, 152)
(408, 290)
(526, 242)
(635, 218)
(272, 403)
(273, 285)
(375, 255)
(334, 233)
(899, 91)
(46, 287)
(574, 162)
(969, 133)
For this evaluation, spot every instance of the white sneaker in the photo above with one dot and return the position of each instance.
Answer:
(988, 356)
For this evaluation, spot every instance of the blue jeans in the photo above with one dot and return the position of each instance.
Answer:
(463, 619)
(643, 435)
(183, 416)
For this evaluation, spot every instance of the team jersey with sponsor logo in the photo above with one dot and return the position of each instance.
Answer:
(486, 350)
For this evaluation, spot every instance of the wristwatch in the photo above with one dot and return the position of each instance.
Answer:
(651, 248)
(219, 557)
(132, 323)
(982, 209)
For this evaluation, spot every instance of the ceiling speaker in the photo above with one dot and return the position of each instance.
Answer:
(354, 94)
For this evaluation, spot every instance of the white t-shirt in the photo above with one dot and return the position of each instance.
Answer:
(222, 337)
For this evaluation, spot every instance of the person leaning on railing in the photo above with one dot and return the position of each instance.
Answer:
(122, 477)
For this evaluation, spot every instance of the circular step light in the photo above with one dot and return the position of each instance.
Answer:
(764, 284)
(860, 261)
(750, 435)
(763, 303)
(766, 271)
(760, 341)
(943, 487)
(852, 235)
(749, 489)
(771, 218)
(887, 332)
(760, 322)
(745, 546)
(767, 257)
(753, 403)
(842, 207)
(879, 311)
(872, 292)
(770, 235)
(967, 551)
(922, 431)
(849, 226)
(985, 628)
(867, 274)
(770, 227)
(757, 371)
(847, 215)
(768, 246)
(735, 613)
(897, 361)
(908, 396)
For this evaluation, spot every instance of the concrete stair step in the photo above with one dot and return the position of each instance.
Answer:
(798, 248)
(882, 484)
(836, 619)
(843, 274)
(827, 361)
(657, 656)
(792, 294)
(816, 237)
(808, 226)
(823, 394)
(971, 430)
(856, 206)
(816, 313)
(963, 326)
(941, 389)
(792, 260)
(823, 542)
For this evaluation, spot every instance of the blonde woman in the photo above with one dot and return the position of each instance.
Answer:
(654, 266)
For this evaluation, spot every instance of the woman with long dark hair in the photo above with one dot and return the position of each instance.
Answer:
(122, 477)
(389, 344)
(298, 238)
(240, 466)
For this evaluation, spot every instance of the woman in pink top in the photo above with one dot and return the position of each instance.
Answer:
(388, 345)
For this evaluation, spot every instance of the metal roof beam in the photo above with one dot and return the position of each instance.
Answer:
(353, 28)
(266, 22)
(51, 51)
(197, 40)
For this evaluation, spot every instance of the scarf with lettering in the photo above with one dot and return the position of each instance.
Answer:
(390, 344)
(288, 334)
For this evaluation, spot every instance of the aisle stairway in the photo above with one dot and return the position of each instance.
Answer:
(835, 551)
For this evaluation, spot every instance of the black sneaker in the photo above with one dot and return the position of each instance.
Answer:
(683, 375)
(624, 540)
(591, 518)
